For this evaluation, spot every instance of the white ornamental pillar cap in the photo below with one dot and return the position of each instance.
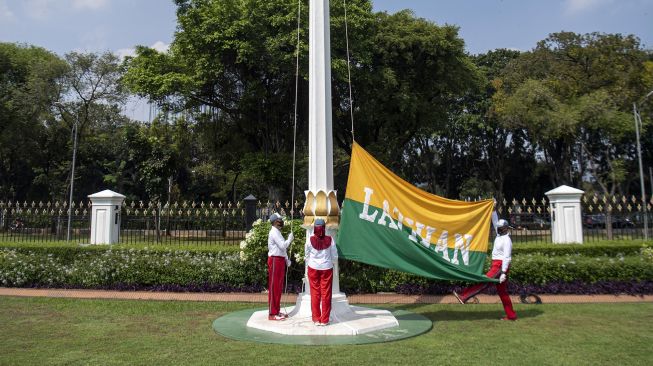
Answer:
(564, 193)
(106, 197)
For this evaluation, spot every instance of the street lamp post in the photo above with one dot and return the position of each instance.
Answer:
(638, 123)
(72, 170)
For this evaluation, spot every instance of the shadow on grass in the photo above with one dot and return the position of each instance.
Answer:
(466, 314)
(451, 315)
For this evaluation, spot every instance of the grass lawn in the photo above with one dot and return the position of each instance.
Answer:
(37, 331)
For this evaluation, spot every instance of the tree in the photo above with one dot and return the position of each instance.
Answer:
(90, 98)
(28, 86)
(232, 66)
(573, 95)
(416, 70)
(236, 59)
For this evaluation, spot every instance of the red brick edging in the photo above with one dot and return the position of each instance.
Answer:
(380, 298)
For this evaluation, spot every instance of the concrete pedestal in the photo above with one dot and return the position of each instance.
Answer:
(345, 319)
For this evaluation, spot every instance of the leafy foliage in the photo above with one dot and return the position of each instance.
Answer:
(573, 95)
(502, 124)
(30, 140)
(254, 250)
(583, 269)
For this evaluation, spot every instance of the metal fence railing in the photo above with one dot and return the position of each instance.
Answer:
(43, 222)
(141, 223)
(183, 224)
(190, 222)
(603, 218)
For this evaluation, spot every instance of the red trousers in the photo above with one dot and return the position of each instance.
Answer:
(321, 282)
(502, 289)
(276, 273)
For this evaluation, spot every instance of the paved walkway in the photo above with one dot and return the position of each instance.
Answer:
(380, 298)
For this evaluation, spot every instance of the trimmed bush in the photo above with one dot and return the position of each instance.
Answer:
(534, 269)
(611, 249)
(107, 268)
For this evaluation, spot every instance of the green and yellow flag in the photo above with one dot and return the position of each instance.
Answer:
(389, 223)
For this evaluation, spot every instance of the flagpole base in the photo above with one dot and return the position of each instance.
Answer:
(345, 319)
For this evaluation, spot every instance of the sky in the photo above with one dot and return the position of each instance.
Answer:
(62, 26)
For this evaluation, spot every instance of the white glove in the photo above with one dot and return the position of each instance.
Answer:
(502, 278)
(291, 237)
(288, 262)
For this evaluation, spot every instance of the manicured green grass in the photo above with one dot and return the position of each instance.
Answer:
(52, 331)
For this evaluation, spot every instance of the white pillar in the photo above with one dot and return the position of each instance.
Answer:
(321, 199)
(320, 136)
(105, 217)
(566, 221)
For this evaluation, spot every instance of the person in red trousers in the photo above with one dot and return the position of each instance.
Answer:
(501, 257)
(319, 253)
(277, 262)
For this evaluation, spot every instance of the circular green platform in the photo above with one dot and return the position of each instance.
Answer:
(234, 326)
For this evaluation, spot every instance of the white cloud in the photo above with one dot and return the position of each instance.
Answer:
(158, 45)
(5, 13)
(89, 4)
(574, 7)
(124, 52)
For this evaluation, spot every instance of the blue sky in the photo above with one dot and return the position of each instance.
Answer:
(118, 25)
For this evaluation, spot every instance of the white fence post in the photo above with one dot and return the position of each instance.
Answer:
(566, 221)
(105, 217)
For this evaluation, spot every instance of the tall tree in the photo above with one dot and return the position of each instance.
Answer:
(28, 86)
(573, 95)
(415, 71)
(238, 59)
(91, 98)
(231, 65)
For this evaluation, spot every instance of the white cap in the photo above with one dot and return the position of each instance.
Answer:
(503, 223)
(274, 217)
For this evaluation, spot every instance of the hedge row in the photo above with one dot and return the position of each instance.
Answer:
(599, 249)
(196, 271)
(102, 268)
(527, 270)
(588, 268)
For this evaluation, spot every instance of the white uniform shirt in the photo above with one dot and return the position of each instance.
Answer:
(502, 249)
(320, 259)
(276, 243)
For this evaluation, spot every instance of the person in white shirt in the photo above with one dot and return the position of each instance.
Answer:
(320, 252)
(277, 262)
(501, 257)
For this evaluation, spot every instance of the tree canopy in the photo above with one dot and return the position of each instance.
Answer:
(504, 124)
(573, 96)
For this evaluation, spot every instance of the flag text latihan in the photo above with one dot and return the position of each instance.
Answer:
(462, 242)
